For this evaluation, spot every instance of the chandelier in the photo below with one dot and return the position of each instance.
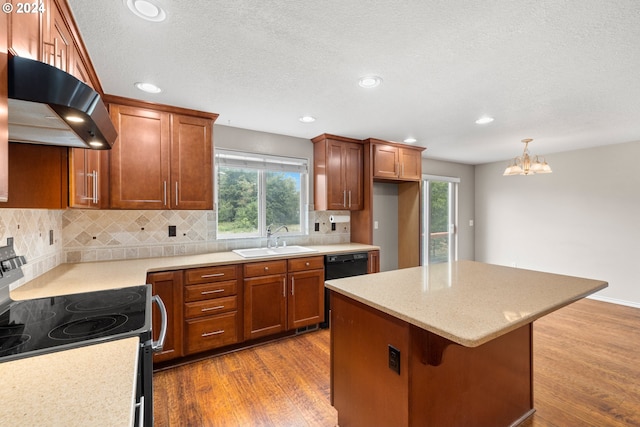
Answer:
(523, 165)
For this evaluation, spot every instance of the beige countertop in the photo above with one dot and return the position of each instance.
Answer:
(467, 302)
(97, 276)
(86, 386)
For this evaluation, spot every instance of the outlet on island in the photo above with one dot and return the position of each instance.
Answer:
(394, 359)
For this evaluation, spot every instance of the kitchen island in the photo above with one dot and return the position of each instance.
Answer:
(448, 344)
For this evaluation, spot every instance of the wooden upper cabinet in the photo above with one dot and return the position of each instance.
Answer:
(191, 162)
(25, 31)
(338, 173)
(139, 176)
(88, 178)
(4, 112)
(396, 162)
(162, 159)
(58, 43)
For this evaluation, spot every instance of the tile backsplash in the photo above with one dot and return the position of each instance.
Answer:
(97, 235)
(31, 230)
(81, 235)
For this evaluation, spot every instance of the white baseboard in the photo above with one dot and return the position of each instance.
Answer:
(615, 301)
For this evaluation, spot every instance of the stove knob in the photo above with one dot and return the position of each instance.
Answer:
(6, 265)
(22, 259)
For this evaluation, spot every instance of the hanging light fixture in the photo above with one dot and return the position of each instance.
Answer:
(524, 165)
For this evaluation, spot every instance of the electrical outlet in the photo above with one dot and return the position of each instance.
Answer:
(51, 237)
(394, 359)
(9, 241)
(172, 231)
(333, 226)
(317, 226)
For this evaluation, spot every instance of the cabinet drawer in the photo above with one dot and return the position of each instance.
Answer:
(265, 268)
(210, 290)
(210, 274)
(211, 332)
(309, 263)
(210, 307)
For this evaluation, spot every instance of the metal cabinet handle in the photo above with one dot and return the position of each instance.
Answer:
(208, 334)
(218, 307)
(206, 276)
(96, 187)
(344, 198)
(140, 406)
(176, 193)
(306, 264)
(284, 287)
(164, 185)
(156, 346)
(293, 285)
(215, 291)
(349, 198)
(266, 269)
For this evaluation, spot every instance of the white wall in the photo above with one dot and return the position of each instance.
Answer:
(385, 212)
(581, 220)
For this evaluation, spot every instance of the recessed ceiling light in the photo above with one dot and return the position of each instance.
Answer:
(307, 119)
(484, 120)
(148, 87)
(369, 82)
(147, 10)
(410, 140)
(74, 119)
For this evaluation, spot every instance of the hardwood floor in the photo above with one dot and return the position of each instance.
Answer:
(586, 373)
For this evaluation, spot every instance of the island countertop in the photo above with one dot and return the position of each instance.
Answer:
(467, 302)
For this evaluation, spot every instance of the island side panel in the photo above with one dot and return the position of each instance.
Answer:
(364, 390)
(452, 385)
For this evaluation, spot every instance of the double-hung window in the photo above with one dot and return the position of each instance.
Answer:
(254, 191)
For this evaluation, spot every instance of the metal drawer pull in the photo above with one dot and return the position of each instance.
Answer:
(211, 292)
(212, 308)
(266, 269)
(284, 287)
(307, 264)
(208, 334)
(206, 276)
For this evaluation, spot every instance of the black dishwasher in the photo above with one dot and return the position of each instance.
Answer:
(338, 267)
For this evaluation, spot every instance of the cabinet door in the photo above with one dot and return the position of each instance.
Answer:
(336, 191)
(305, 305)
(191, 163)
(168, 285)
(4, 112)
(25, 31)
(353, 175)
(410, 164)
(86, 173)
(373, 264)
(58, 43)
(265, 306)
(385, 161)
(140, 159)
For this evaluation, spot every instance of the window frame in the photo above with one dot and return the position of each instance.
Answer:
(263, 163)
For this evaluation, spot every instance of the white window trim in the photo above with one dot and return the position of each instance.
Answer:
(262, 162)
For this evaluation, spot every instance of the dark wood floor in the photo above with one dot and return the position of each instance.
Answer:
(586, 373)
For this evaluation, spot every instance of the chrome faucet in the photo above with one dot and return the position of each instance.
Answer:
(271, 233)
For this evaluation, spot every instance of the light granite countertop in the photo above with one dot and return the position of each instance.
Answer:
(466, 302)
(97, 276)
(86, 386)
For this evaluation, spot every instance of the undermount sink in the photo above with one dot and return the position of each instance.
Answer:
(265, 252)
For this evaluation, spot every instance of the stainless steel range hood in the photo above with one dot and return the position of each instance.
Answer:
(49, 106)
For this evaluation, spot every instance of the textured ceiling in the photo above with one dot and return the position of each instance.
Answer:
(564, 73)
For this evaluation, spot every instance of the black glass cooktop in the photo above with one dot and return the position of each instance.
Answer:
(40, 325)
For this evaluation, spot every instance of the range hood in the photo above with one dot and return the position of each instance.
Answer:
(49, 106)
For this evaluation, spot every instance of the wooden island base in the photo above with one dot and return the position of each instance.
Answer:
(440, 383)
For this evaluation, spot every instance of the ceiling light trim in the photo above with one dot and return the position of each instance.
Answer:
(484, 120)
(147, 87)
(147, 10)
(370, 81)
(307, 119)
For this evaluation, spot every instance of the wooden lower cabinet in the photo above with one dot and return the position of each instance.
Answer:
(283, 295)
(168, 286)
(211, 316)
